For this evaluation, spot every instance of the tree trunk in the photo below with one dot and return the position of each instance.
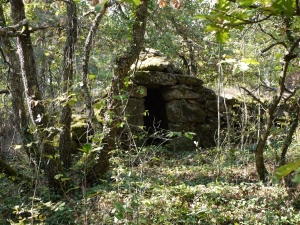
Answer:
(288, 140)
(115, 106)
(16, 91)
(86, 58)
(66, 114)
(259, 152)
(36, 107)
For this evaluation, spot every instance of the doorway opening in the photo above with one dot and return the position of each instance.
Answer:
(156, 121)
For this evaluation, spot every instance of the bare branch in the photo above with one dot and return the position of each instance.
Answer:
(273, 45)
(245, 22)
(253, 96)
(14, 31)
(4, 92)
(33, 29)
(87, 14)
(262, 30)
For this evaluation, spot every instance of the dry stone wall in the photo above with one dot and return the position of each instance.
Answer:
(173, 101)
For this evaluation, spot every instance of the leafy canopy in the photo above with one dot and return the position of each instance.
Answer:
(228, 14)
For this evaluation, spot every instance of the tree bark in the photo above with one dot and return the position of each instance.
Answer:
(16, 91)
(66, 114)
(259, 152)
(115, 106)
(37, 110)
(86, 58)
(288, 140)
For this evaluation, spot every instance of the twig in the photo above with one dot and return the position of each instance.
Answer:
(266, 32)
(253, 96)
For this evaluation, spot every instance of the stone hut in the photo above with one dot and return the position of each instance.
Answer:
(163, 98)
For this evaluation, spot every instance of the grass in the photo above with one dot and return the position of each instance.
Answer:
(156, 186)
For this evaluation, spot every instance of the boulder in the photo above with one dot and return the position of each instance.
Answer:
(153, 60)
(188, 80)
(155, 63)
(181, 127)
(180, 93)
(154, 79)
(206, 134)
(182, 144)
(183, 112)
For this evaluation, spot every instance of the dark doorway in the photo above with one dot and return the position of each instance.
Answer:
(156, 118)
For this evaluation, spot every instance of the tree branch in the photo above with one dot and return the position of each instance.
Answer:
(262, 30)
(4, 92)
(273, 45)
(14, 31)
(253, 96)
(33, 29)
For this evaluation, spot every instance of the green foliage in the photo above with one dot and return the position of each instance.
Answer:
(287, 169)
(87, 148)
(153, 185)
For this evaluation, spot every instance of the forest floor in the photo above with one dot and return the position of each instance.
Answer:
(157, 186)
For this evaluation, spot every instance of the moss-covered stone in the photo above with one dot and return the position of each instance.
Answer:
(154, 79)
(181, 111)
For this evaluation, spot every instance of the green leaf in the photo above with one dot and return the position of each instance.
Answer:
(135, 2)
(250, 61)
(23, 29)
(98, 8)
(57, 176)
(286, 169)
(201, 17)
(120, 124)
(65, 179)
(284, 6)
(222, 36)
(127, 81)
(92, 77)
(120, 97)
(49, 156)
(99, 105)
(212, 27)
(87, 148)
(117, 97)
(245, 3)
(189, 135)
(72, 102)
(93, 194)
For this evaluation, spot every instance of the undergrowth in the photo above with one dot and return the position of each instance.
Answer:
(154, 185)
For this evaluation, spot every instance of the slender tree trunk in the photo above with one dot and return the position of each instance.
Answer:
(66, 114)
(193, 67)
(36, 107)
(86, 58)
(259, 152)
(288, 140)
(16, 91)
(115, 107)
